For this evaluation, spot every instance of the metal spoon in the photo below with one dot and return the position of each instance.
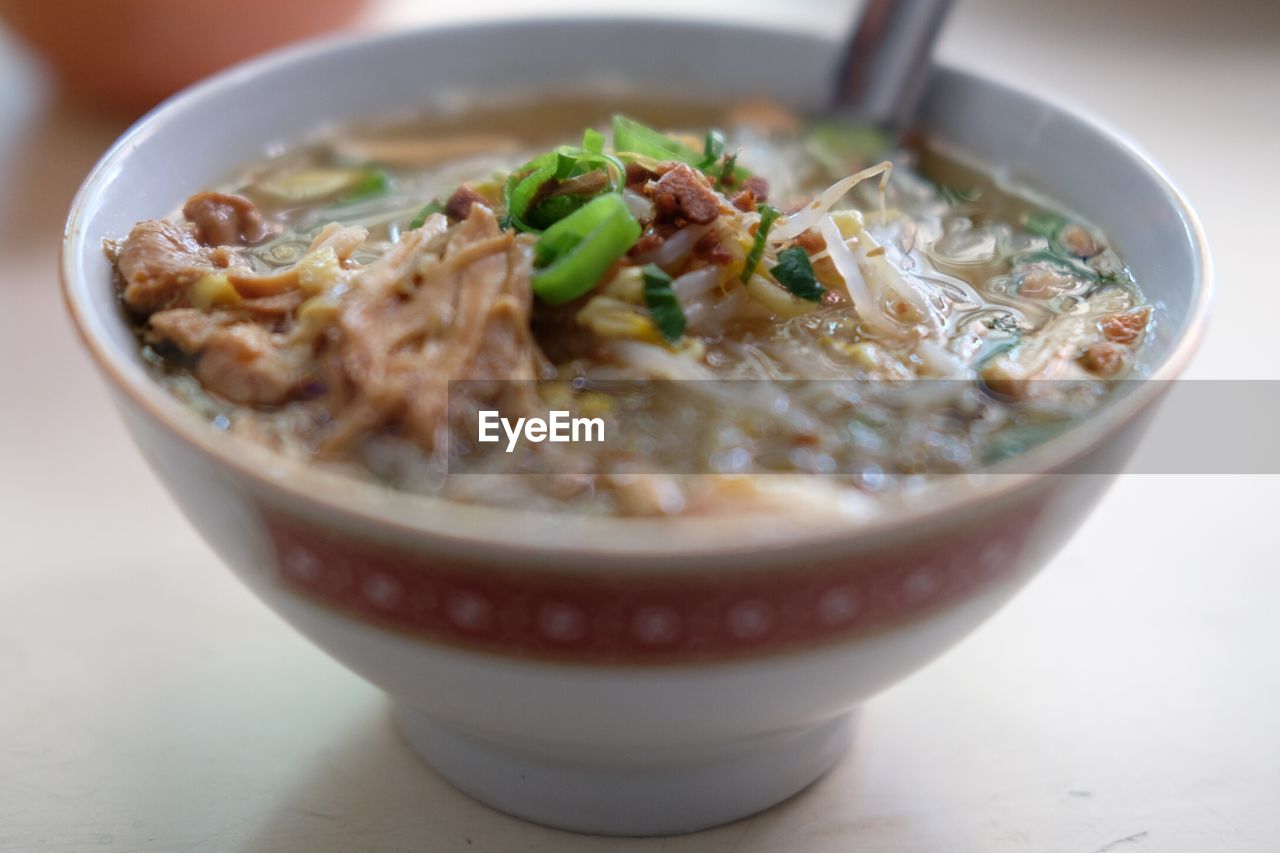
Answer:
(887, 61)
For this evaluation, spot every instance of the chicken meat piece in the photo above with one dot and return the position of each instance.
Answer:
(161, 260)
(250, 365)
(223, 219)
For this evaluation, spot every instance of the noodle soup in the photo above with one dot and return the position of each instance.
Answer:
(746, 301)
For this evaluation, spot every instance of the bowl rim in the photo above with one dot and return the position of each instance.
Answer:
(469, 529)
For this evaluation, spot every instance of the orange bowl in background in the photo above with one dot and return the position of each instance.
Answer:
(131, 54)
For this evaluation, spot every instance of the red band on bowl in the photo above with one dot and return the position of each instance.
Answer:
(641, 618)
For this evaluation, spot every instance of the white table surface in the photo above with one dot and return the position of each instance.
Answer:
(1128, 700)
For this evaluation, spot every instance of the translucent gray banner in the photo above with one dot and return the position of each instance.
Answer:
(851, 428)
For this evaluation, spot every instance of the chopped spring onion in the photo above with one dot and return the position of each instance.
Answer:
(550, 211)
(374, 182)
(841, 147)
(525, 185)
(728, 171)
(573, 254)
(431, 207)
(956, 197)
(768, 214)
(712, 148)
(794, 271)
(593, 141)
(310, 185)
(1043, 224)
(663, 306)
(630, 136)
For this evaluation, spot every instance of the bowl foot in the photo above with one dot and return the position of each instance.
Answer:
(664, 792)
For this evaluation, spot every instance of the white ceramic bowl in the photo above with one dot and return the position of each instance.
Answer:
(617, 676)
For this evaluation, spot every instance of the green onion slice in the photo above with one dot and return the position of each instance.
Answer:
(374, 182)
(663, 306)
(433, 206)
(768, 215)
(844, 147)
(525, 183)
(712, 148)
(593, 141)
(728, 172)
(573, 254)
(632, 137)
(1044, 224)
(794, 271)
(957, 196)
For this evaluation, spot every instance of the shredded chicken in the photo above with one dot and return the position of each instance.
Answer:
(434, 309)
(441, 305)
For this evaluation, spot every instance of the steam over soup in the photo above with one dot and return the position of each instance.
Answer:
(738, 318)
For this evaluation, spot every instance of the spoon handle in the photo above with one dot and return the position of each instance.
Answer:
(887, 60)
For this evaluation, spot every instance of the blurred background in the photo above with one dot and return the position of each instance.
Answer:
(148, 703)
